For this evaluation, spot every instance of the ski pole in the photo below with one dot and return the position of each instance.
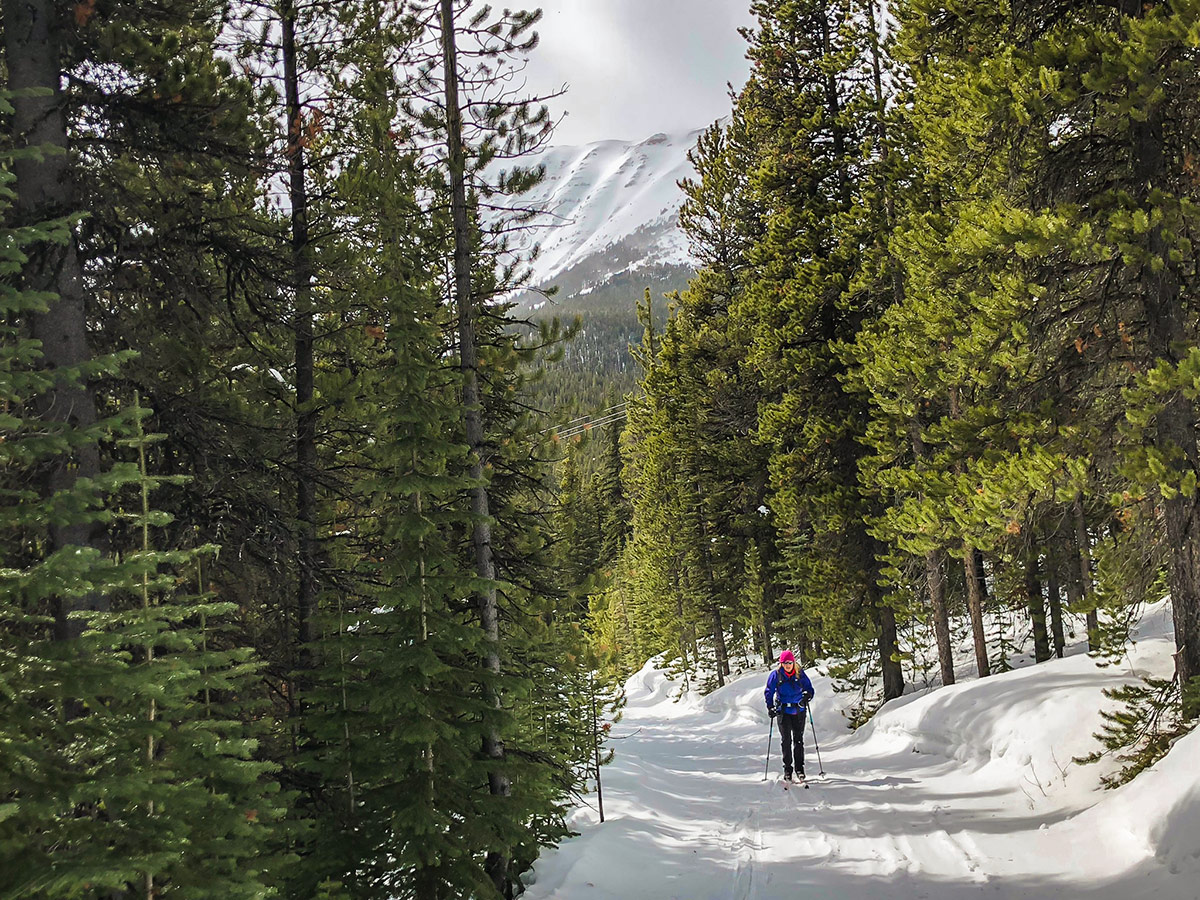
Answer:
(817, 744)
(770, 734)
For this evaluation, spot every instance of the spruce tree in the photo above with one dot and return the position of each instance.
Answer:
(399, 701)
(187, 806)
(128, 767)
(42, 581)
(481, 123)
(610, 495)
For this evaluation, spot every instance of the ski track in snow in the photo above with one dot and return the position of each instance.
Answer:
(965, 791)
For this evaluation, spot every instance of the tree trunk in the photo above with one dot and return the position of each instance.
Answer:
(1054, 597)
(710, 582)
(718, 633)
(1167, 316)
(882, 615)
(425, 885)
(683, 644)
(889, 644)
(687, 631)
(481, 529)
(770, 598)
(889, 200)
(976, 595)
(302, 328)
(935, 578)
(1083, 560)
(1074, 578)
(1037, 607)
(45, 190)
(596, 746)
(973, 570)
(718, 626)
(833, 106)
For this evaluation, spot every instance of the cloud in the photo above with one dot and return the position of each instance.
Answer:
(636, 67)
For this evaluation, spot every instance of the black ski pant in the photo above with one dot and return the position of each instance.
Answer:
(791, 730)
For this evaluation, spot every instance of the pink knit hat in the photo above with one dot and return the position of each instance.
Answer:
(786, 656)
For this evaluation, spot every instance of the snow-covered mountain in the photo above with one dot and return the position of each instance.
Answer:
(611, 207)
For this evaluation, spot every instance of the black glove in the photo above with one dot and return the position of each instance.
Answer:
(771, 711)
(808, 695)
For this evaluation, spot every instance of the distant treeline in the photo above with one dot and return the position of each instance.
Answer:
(596, 362)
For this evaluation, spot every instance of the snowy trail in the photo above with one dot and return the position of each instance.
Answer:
(961, 792)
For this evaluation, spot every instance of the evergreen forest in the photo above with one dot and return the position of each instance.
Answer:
(302, 591)
(935, 382)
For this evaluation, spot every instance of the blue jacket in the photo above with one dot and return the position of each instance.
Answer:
(791, 691)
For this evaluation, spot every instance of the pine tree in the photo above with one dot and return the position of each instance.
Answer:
(1073, 101)
(126, 769)
(804, 107)
(42, 192)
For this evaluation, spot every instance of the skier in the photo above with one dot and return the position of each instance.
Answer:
(794, 690)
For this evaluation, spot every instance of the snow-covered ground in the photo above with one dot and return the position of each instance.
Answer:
(964, 791)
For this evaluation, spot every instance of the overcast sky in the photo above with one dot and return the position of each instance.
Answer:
(637, 67)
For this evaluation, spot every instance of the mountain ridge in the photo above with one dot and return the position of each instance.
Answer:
(609, 207)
